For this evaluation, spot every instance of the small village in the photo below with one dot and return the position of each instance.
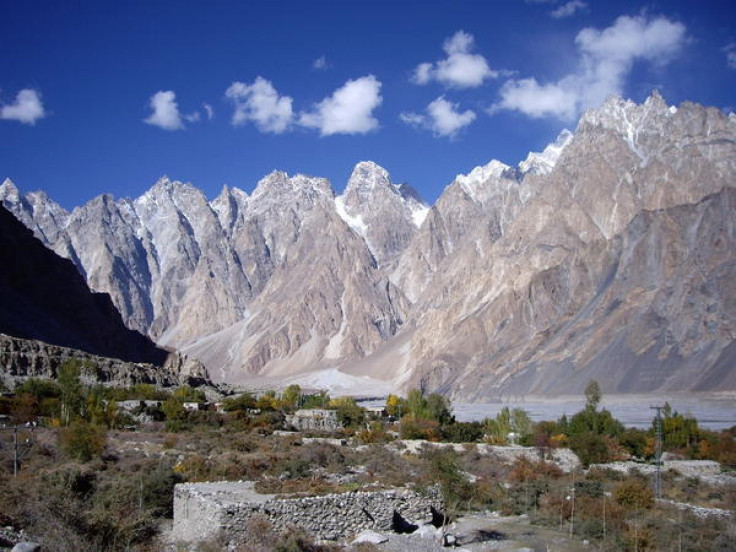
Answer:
(178, 470)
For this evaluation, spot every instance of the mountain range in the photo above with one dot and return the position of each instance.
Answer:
(609, 255)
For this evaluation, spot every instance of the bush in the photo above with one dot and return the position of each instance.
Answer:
(590, 448)
(462, 432)
(82, 441)
(634, 494)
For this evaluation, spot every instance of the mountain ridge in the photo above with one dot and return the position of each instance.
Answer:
(295, 278)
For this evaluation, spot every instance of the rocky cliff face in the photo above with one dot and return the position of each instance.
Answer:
(608, 255)
(24, 358)
(45, 298)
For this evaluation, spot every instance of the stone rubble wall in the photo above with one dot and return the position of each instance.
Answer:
(564, 458)
(686, 468)
(207, 510)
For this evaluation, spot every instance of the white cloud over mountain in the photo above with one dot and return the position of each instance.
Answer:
(606, 59)
(260, 104)
(460, 69)
(27, 108)
(165, 111)
(349, 110)
(442, 118)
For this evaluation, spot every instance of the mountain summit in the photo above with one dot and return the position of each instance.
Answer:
(608, 255)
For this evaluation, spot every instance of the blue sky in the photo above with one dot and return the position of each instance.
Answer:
(106, 97)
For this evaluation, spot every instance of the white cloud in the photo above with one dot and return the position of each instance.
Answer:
(731, 55)
(192, 117)
(261, 104)
(606, 59)
(460, 69)
(568, 9)
(27, 108)
(320, 64)
(349, 110)
(443, 118)
(165, 111)
(208, 110)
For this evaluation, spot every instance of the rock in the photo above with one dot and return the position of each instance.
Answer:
(26, 547)
(369, 536)
(428, 532)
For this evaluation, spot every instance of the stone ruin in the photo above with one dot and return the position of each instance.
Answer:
(203, 511)
(314, 419)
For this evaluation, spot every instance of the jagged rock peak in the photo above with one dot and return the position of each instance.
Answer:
(470, 182)
(9, 191)
(368, 175)
(626, 115)
(280, 183)
(543, 162)
(229, 204)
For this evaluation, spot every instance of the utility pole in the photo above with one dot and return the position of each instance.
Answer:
(658, 451)
(572, 512)
(19, 449)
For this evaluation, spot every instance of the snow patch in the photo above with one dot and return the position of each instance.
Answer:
(354, 222)
(543, 162)
(478, 175)
(418, 215)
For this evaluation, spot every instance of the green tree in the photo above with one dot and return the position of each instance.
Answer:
(348, 412)
(70, 388)
(439, 409)
(242, 402)
(678, 431)
(416, 404)
(176, 415)
(291, 395)
(592, 395)
(316, 400)
(395, 406)
(454, 486)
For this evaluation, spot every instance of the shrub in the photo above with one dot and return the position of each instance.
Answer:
(591, 448)
(82, 441)
(634, 494)
(462, 432)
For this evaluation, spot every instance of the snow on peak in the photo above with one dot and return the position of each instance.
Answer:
(543, 162)
(279, 183)
(630, 119)
(9, 191)
(478, 175)
(355, 222)
(368, 175)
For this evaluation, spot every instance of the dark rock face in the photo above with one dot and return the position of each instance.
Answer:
(45, 298)
(25, 358)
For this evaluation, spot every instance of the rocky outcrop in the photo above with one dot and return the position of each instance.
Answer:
(24, 358)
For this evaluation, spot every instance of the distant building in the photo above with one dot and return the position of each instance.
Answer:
(314, 419)
(136, 404)
(375, 412)
(191, 406)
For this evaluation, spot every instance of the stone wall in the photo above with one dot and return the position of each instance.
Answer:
(314, 419)
(222, 509)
